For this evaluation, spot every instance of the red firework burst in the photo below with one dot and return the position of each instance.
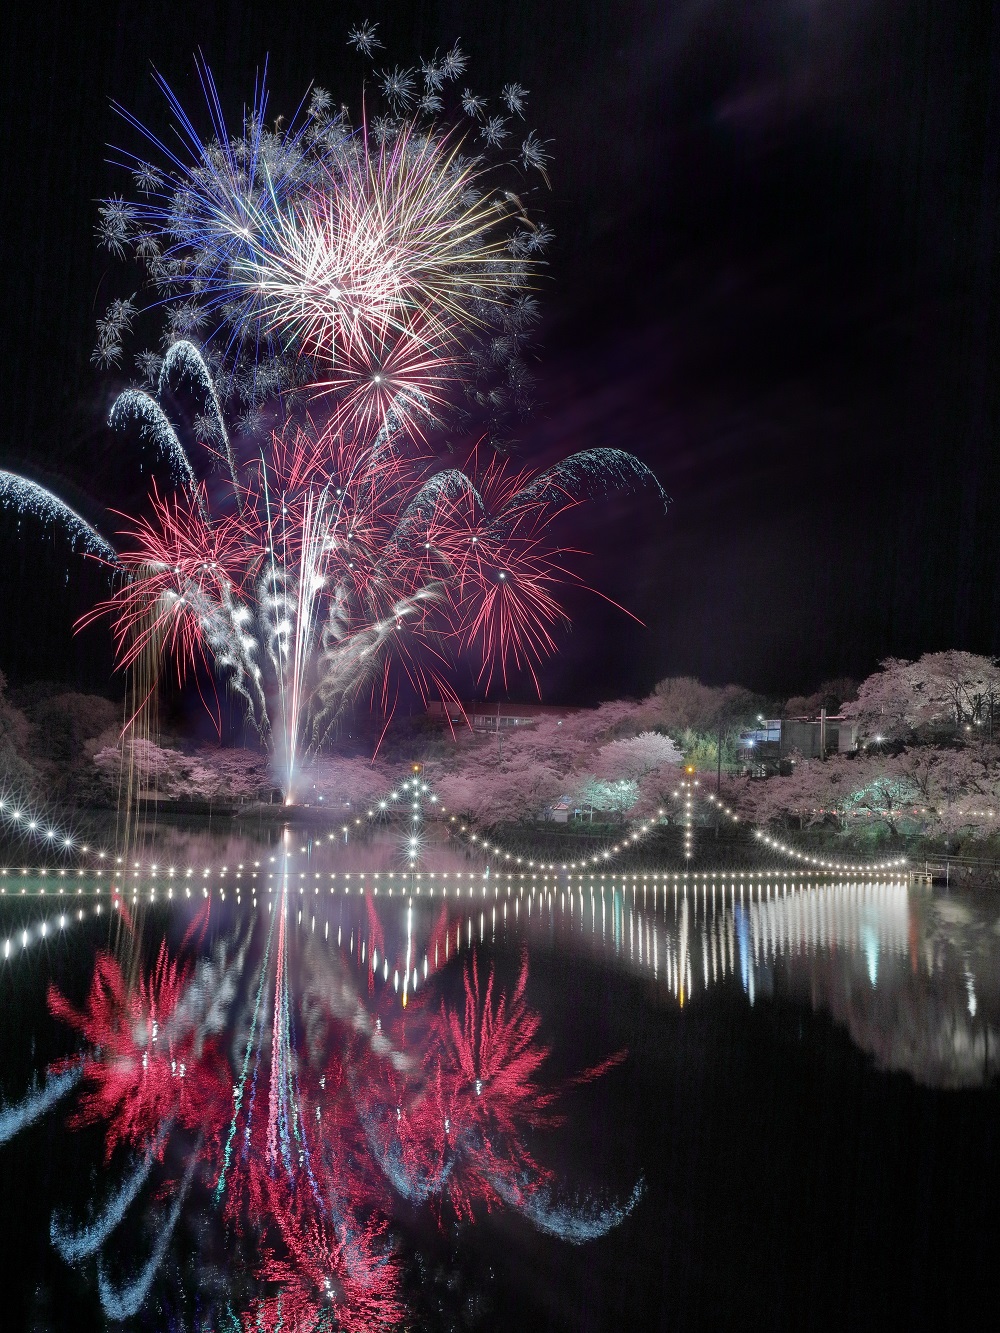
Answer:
(181, 567)
(148, 1066)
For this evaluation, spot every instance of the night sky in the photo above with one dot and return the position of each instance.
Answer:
(775, 279)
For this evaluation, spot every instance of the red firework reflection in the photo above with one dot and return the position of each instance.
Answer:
(333, 1116)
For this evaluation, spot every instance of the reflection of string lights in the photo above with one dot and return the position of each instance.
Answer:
(687, 931)
(789, 912)
(406, 882)
(22, 939)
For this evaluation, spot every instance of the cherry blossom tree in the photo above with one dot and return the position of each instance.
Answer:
(964, 685)
(165, 774)
(239, 774)
(617, 796)
(343, 782)
(518, 774)
(492, 790)
(959, 788)
(637, 756)
(630, 775)
(681, 703)
(951, 690)
(839, 791)
(153, 770)
(937, 791)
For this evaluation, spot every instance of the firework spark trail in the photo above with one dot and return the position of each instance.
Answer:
(182, 597)
(345, 268)
(591, 473)
(314, 528)
(135, 405)
(187, 360)
(385, 571)
(326, 246)
(74, 1245)
(15, 1118)
(125, 1302)
(388, 273)
(27, 497)
(278, 1094)
(252, 1044)
(578, 1223)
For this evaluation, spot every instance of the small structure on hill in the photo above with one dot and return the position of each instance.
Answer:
(774, 744)
(493, 716)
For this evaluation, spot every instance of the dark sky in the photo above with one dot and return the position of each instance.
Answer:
(775, 279)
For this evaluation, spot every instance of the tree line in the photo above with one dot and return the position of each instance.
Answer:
(928, 757)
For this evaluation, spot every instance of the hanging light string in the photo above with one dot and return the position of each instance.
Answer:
(416, 795)
(804, 857)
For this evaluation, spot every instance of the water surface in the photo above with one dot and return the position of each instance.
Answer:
(328, 1090)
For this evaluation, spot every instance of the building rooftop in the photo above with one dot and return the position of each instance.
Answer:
(493, 714)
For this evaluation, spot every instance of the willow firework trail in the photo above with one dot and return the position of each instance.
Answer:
(187, 360)
(27, 497)
(135, 405)
(353, 288)
(342, 565)
(26, 1112)
(81, 1243)
(126, 1301)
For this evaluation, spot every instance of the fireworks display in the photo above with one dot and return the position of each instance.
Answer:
(398, 249)
(325, 1112)
(331, 297)
(28, 497)
(339, 562)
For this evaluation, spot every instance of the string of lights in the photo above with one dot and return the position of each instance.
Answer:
(18, 816)
(687, 787)
(415, 794)
(853, 867)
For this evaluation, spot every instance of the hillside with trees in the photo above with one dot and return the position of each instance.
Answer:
(927, 764)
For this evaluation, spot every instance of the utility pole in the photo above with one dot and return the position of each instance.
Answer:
(718, 781)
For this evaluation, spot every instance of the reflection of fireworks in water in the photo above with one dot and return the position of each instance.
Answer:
(442, 1101)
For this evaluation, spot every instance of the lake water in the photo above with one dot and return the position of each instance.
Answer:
(321, 1089)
